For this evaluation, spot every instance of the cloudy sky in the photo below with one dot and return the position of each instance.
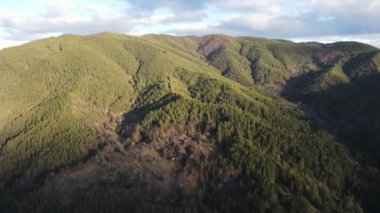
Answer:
(298, 20)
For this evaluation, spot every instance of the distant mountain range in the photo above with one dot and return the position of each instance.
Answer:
(157, 123)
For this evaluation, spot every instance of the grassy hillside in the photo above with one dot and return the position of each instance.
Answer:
(107, 122)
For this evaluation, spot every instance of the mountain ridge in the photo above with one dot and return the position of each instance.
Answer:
(186, 116)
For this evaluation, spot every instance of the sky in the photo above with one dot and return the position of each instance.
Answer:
(302, 20)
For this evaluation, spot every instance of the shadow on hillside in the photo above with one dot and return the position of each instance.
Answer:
(350, 111)
(137, 114)
(295, 85)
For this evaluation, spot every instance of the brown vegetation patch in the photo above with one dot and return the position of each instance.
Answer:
(210, 44)
(327, 57)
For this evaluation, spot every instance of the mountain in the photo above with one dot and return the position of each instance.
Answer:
(110, 122)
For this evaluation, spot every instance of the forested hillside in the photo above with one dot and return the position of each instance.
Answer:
(110, 122)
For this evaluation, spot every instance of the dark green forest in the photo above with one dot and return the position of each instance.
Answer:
(157, 123)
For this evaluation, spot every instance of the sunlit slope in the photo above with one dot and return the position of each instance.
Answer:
(62, 100)
(251, 60)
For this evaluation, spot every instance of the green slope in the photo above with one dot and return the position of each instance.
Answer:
(346, 96)
(273, 61)
(160, 123)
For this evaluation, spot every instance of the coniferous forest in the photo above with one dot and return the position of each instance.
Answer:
(157, 123)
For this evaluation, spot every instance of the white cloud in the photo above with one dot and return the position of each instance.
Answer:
(268, 6)
(347, 7)
(4, 43)
(58, 18)
(271, 18)
(372, 39)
